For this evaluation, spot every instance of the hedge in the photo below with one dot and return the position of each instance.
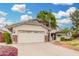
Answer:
(7, 37)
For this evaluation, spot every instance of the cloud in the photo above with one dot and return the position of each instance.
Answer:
(25, 17)
(19, 8)
(4, 21)
(60, 14)
(66, 13)
(56, 15)
(9, 22)
(64, 21)
(63, 3)
(2, 14)
(71, 10)
(29, 12)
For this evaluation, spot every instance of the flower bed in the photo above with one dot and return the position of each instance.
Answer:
(8, 51)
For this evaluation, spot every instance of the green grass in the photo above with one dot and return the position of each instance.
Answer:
(74, 43)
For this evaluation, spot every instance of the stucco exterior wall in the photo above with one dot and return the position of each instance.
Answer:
(25, 37)
(29, 27)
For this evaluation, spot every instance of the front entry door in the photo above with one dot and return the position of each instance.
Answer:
(53, 35)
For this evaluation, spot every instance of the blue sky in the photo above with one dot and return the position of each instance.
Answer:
(10, 13)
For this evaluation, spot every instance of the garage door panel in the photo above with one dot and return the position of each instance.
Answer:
(29, 37)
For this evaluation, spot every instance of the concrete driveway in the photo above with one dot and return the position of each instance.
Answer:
(44, 49)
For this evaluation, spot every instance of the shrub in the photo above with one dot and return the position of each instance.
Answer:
(70, 39)
(62, 39)
(65, 39)
(74, 35)
(7, 37)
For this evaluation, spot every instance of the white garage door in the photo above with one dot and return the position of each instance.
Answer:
(30, 36)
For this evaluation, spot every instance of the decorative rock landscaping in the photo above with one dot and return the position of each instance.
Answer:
(8, 51)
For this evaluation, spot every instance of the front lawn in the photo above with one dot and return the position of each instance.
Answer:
(74, 44)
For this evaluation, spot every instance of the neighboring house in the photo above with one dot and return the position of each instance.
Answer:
(29, 32)
(55, 33)
(1, 35)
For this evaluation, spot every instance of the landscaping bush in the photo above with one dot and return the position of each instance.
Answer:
(74, 35)
(62, 39)
(66, 39)
(69, 39)
(7, 37)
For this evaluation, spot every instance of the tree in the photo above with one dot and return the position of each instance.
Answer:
(75, 19)
(66, 30)
(46, 17)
